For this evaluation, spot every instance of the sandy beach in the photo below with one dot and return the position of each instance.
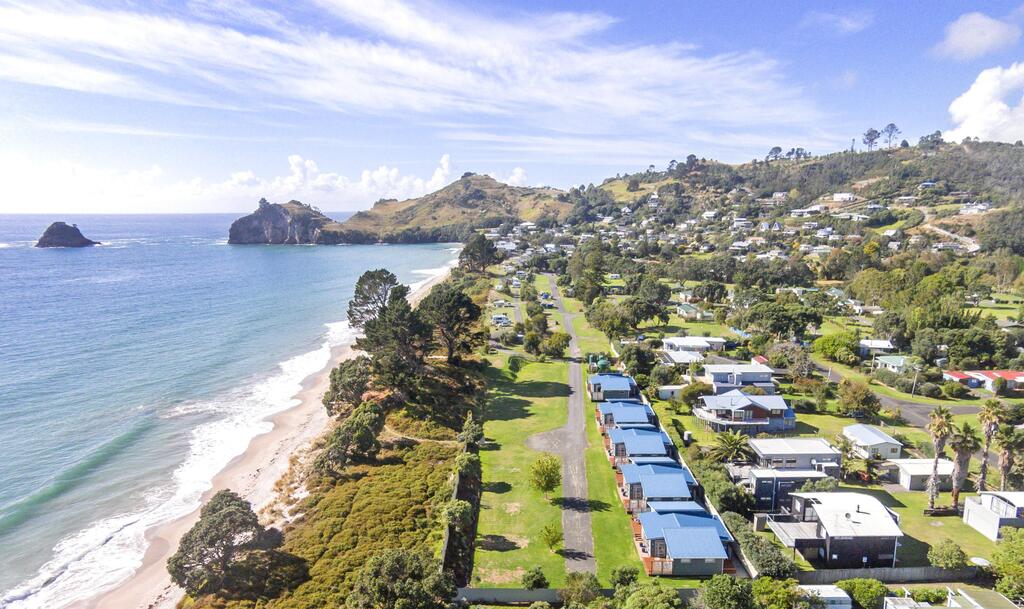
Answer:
(253, 474)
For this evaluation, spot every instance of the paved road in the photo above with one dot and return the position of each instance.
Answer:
(570, 443)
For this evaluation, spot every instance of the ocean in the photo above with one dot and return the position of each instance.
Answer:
(132, 372)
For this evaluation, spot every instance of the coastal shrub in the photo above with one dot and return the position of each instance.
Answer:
(624, 576)
(954, 390)
(388, 504)
(947, 554)
(866, 593)
(767, 557)
(726, 592)
(349, 381)
(398, 578)
(935, 596)
(534, 579)
(929, 390)
(580, 588)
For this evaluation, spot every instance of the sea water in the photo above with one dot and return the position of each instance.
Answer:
(132, 372)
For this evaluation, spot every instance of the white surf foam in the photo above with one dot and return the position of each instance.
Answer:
(108, 552)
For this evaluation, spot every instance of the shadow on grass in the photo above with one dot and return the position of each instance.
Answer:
(497, 487)
(496, 543)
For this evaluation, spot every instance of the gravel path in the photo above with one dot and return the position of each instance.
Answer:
(570, 443)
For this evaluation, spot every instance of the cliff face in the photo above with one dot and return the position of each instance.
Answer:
(288, 223)
(61, 234)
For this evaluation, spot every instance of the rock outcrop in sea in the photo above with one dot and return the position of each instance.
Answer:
(275, 223)
(62, 234)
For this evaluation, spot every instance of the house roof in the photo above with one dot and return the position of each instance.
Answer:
(652, 461)
(1015, 497)
(826, 591)
(769, 472)
(871, 343)
(624, 413)
(614, 382)
(682, 342)
(954, 374)
(735, 368)
(641, 441)
(737, 400)
(892, 360)
(631, 473)
(792, 446)
(665, 485)
(675, 507)
(852, 515)
(614, 407)
(923, 467)
(866, 435)
(694, 542)
(655, 525)
(683, 357)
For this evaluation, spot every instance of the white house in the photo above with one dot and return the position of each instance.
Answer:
(870, 441)
(870, 346)
(990, 511)
(913, 474)
(693, 343)
(844, 197)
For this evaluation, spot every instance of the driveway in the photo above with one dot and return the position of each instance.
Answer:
(570, 443)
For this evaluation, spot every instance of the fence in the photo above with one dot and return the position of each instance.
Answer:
(889, 575)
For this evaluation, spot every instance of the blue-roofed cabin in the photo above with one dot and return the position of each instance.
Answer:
(690, 544)
(625, 414)
(636, 494)
(625, 444)
(610, 386)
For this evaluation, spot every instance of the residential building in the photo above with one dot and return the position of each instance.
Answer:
(750, 414)
(892, 363)
(679, 358)
(692, 312)
(682, 544)
(771, 487)
(870, 346)
(625, 414)
(913, 474)
(625, 444)
(839, 529)
(726, 377)
(796, 453)
(699, 344)
(990, 511)
(637, 498)
(844, 197)
(872, 442)
(610, 386)
(987, 378)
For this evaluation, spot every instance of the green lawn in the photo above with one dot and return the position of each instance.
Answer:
(677, 325)
(1009, 307)
(511, 512)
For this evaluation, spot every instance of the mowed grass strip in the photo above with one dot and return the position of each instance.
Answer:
(512, 514)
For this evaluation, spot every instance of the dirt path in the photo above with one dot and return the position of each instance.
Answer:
(570, 442)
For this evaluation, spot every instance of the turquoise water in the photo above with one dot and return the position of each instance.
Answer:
(132, 372)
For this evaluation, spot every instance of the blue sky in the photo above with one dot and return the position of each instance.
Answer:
(207, 105)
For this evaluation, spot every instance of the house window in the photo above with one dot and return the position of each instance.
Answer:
(790, 461)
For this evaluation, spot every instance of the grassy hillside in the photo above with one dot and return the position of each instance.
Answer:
(472, 202)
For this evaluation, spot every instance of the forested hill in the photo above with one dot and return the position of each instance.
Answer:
(454, 212)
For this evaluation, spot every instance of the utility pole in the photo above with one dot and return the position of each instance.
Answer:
(917, 370)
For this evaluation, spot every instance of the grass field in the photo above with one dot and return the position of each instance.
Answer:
(511, 512)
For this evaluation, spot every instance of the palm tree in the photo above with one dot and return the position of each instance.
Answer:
(846, 454)
(940, 426)
(991, 417)
(1009, 442)
(964, 442)
(871, 465)
(731, 446)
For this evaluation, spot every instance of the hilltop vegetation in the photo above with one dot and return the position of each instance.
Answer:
(457, 210)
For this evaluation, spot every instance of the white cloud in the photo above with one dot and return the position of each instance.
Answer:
(973, 35)
(985, 111)
(545, 70)
(66, 187)
(516, 177)
(841, 23)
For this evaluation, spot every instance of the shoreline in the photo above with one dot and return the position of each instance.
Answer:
(253, 474)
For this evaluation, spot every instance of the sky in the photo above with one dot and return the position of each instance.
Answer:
(125, 106)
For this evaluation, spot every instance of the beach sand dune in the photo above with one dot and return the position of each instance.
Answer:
(253, 474)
